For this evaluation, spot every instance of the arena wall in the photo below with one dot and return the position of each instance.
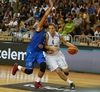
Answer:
(86, 60)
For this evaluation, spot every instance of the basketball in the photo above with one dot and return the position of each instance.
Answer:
(72, 50)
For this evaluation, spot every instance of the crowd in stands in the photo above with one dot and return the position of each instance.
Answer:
(74, 17)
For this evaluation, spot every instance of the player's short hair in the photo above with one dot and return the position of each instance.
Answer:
(51, 24)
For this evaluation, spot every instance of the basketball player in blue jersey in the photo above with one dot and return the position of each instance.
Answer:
(34, 50)
(54, 57)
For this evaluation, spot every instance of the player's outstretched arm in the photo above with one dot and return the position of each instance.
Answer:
(66, 43)
(40, 25)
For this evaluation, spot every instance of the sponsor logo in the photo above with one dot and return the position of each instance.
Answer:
(14, 55)
(40, 46)
(30, 64)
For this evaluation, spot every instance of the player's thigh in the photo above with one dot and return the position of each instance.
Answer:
(30, 61)
(51, 63)
(40, 58)
(62, 62)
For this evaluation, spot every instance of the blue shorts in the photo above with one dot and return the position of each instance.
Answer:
(37, 57)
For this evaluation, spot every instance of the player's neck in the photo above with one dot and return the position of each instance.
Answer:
(53, 34)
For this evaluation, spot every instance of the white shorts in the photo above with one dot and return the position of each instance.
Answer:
(54, 61)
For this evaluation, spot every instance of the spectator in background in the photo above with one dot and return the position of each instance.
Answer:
(53, 9)
(33, 9)
(10, 6)
(27, 28)
(8, 13)
(97, 34)
(24, 1)
(61, 12)
(23, 15)
(2, 5)
(12, 1)
(88, 32)
(73, 14)
(13, 24)
(37, 4)
(57, 10)
(28, 8)
(34, 23)
(19, 4)
(86, 1)
(86, 16)
(76, 9)
(15, 7)
(69, 27)
(41, 14)
(2, 13)
(44, 7)
(91, 13)
(83, 26)
(98, 11)
(85, 6)
(50, 19)
(5, 25)
(55, 22)
(73, 2)
(81, 5)
(37, 14)
(66, 11)
(60, 21)
(17, 15)
(30, 18)
(77, 22)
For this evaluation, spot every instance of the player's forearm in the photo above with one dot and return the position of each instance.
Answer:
(48, 47)
(68, 44)
(48, 11)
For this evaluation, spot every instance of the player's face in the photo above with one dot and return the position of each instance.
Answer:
(51, 29)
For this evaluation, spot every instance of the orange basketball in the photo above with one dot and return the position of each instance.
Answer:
(72, 50)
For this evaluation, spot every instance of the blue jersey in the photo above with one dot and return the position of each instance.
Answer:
(37, 41)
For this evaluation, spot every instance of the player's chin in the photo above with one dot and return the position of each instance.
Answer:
(45, 26)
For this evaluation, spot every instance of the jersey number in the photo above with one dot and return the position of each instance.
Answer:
(52, 41)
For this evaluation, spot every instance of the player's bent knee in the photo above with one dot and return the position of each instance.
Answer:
(28, 71)
(42, 67)
(66, 73)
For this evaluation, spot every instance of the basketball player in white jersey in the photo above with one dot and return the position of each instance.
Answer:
(54, 57)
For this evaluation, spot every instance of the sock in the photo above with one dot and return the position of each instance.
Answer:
(68, 81)
(38, 79)
(19, 67)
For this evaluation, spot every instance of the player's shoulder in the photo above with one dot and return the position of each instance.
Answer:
(39, 29)
(57, 33)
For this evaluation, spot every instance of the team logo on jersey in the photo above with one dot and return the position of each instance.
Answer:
(40, 46)
(30, 64)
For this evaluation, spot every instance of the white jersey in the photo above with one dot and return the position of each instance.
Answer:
(56, 59)
(54, 41)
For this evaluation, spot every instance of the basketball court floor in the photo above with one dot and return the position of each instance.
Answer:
(85, 82)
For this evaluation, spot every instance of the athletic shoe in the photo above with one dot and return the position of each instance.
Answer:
(15, 69)
(72, 86)
(37, 84)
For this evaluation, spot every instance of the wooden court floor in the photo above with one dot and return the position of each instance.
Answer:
(80, 79)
